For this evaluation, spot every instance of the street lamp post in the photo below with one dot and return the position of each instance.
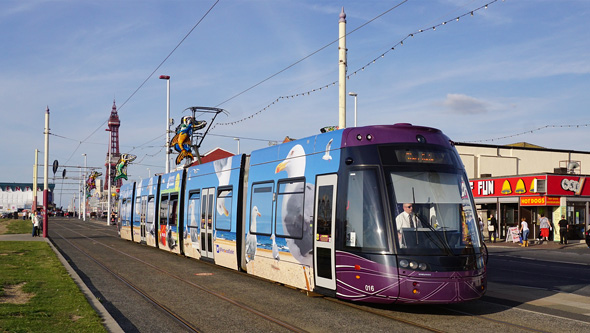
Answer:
(109, 208)
(353, 94)
(167, 78)
(84, 185)
(238, 140)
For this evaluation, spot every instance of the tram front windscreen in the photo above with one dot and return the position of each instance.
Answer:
(433, 212)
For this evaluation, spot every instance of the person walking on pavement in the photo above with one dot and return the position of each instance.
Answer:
(545, 226)
(563, 225)
(491, 229)
(524, 230)
(495, 233)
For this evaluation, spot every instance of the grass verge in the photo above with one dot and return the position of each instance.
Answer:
(38, 295)
(12, 226)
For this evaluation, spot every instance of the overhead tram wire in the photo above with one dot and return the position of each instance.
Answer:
(152, 73)
(401, 42)
(311, 54)
(252, 87)
(529, 132)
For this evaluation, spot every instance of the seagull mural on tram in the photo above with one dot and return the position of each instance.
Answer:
(297, 207)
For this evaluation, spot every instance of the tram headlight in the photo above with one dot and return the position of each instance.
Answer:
(404, 263)
(420, 138)
(369, 137)
(359, 137)
(413, 265)
(422, 266)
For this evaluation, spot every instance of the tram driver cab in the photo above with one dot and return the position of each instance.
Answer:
(440, 218)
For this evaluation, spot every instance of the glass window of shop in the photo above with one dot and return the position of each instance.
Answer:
(508, 218)
(576, 218)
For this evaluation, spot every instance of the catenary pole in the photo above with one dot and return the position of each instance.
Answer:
(46, 177)
(342, 70)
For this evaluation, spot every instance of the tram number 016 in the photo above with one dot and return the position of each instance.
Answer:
(369, 287)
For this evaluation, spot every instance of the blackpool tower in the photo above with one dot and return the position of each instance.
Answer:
(113, 149)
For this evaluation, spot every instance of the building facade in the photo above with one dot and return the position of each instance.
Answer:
(512, 182)
(19, 196)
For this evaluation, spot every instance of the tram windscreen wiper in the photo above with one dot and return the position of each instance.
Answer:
(442, 244)
(445, 247)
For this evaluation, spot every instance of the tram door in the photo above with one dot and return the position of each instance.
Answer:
(207, 198)
(324, 225)
(142, 220)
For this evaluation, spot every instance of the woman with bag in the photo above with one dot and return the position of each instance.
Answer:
(524, 230)
(545, 226)
(36, 223)
(491, 229)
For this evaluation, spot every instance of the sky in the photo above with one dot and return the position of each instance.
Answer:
(516, 71)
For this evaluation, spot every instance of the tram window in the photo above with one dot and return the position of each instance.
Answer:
(164, 210)
(173, 210)
(150, 210)
(262, 199)
(138, 206)
(194, 204)
(224, 204)
(324, 219)
(203, 210)
(442, 206)
(210, 212)
(365, 224)
(126, 210)
(290, 209)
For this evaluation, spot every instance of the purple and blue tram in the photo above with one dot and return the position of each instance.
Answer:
(323, 214)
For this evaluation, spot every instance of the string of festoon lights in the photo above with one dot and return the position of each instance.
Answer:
(529, 132)
(361, 69)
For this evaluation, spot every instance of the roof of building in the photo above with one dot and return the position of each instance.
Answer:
(213, 155)
(525, 145)
(522, 145)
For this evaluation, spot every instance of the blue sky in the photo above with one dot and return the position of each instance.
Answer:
(517, 66)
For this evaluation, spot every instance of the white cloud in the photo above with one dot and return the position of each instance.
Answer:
(463, 104)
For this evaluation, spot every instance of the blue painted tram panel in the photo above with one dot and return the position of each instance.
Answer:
(213, 213)
(145, 211)
(169, 210)
(126, 201)
(279, 219)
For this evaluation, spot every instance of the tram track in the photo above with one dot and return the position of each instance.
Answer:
(181, 321)
(158, 304)
(385, 315)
